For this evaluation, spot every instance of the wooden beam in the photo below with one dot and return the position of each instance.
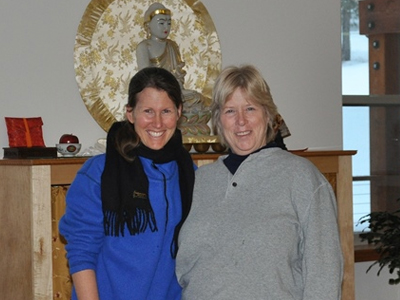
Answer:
(384, 62)
(379, 16)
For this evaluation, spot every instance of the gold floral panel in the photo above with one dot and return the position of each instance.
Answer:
(105, 46)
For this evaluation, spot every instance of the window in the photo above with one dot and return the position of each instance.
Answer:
(371, 103)
(356, 136)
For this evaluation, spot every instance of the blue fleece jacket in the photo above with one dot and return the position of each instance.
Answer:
(136, 267)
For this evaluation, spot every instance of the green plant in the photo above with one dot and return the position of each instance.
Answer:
(385, 235)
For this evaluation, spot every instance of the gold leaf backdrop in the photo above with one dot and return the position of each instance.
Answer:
(105, 46)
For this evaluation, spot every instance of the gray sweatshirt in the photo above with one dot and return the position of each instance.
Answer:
(269, 232)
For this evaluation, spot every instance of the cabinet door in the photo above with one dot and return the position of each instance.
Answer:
(62, 282)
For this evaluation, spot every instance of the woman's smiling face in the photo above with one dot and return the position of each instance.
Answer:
(155, 117)
(244, 123)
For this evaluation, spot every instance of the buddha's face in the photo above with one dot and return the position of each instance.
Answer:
(160, 26)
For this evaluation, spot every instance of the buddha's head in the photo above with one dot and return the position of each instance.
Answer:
(157, 21)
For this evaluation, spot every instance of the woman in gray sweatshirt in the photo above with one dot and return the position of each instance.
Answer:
(263, 223)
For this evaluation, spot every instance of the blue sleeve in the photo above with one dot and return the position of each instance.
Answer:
(82, 223)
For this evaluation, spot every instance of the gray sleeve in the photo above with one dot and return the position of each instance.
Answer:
(322, 257)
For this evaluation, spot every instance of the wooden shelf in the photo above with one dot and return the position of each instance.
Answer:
(364, 253)
(26, 217)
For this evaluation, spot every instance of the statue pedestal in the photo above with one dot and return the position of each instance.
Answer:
(195, 123)
(202, 143)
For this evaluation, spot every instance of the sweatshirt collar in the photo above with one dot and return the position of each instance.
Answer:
(233, 161)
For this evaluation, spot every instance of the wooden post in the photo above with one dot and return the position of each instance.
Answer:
(380, 22)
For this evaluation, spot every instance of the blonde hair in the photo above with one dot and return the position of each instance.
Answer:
(250, 80)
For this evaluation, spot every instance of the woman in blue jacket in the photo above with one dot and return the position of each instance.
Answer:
(125, 207)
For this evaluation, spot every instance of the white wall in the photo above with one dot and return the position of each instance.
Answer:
(37, 75)
(370, 286)
(295, 44)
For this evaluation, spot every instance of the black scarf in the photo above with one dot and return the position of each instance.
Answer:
(124, 186)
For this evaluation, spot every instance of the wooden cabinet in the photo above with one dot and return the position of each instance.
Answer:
(26, 258)
(29, 189)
